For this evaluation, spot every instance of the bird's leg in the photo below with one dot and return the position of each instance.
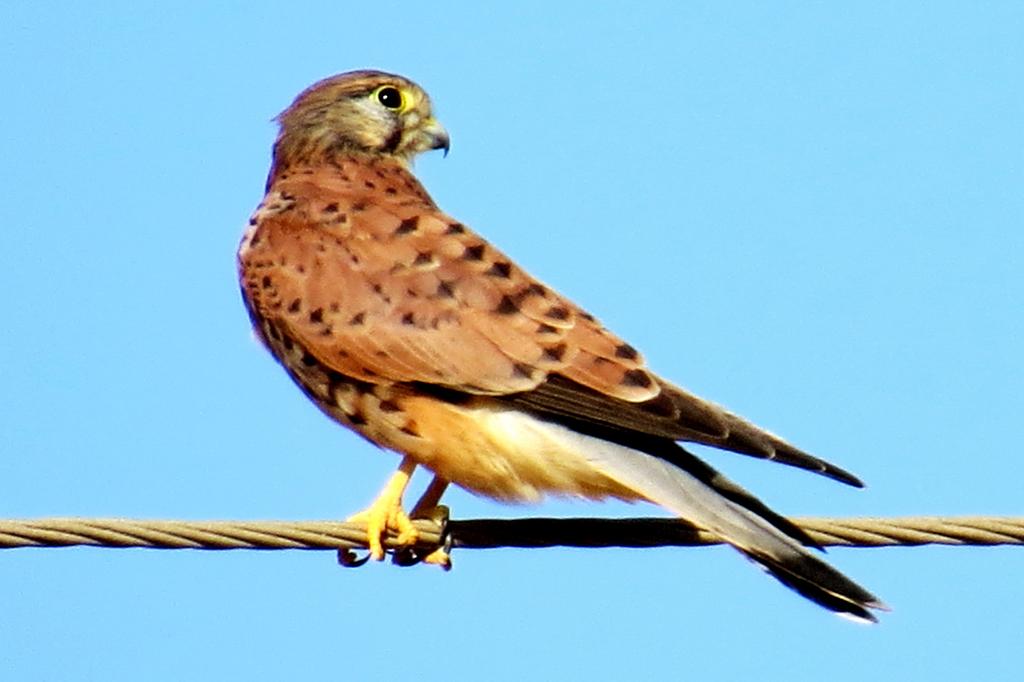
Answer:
(430, 497)
(423, 509)
(386, 512)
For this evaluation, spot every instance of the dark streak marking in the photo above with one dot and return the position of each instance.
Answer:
(316, 316)
(393, 140)
(455, 228)
(408, 319)
(389, 406)
(408, 226)
(502, 269)
(358, 319)
(331, 207)
(335, 383)
(445, 289)
(636, 377)
(521, 371)
(474, 252)
(507, 306)
(626, 352)
(558, 312)
(555, 353)
(294, 306)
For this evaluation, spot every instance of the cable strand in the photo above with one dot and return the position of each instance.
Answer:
(491, 533)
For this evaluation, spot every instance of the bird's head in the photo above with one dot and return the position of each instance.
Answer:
(368, 112)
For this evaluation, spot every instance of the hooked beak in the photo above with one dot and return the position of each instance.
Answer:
(436, 135)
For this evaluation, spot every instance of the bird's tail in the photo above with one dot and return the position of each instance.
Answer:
(814, 579)
(696, 492)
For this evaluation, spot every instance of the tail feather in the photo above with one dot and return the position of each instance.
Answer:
(815, 580)
(706, 474)
(693, 490)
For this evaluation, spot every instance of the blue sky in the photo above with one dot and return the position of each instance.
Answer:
(809, 213)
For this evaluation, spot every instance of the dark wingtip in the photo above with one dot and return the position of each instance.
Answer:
(841, 475)
(747, 439)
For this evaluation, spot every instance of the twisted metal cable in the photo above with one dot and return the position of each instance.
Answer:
(490, 533)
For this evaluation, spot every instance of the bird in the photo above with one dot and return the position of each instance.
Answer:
(409, 328)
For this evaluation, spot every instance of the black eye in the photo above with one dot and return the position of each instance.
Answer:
(390, 97)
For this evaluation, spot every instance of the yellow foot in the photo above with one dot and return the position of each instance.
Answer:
(386, 513)
(427, 508)
(411, 555)
(380, 517)
(439, 557)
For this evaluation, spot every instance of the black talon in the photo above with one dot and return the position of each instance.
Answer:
(349, 559)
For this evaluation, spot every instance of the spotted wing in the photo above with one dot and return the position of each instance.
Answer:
(399, 292)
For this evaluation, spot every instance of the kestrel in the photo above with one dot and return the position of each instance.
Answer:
(407, 327)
